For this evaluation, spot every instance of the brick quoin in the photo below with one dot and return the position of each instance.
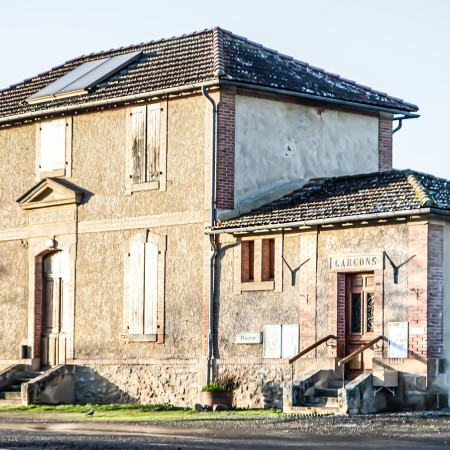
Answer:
(384, 144)
(435, 306)
(225, 151)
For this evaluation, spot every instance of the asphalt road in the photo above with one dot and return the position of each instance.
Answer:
(368, 432)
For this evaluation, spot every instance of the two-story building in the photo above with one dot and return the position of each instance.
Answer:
(115, 164)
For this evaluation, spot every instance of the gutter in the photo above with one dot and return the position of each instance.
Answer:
(212, 83)
(334, 220)
(213, 254)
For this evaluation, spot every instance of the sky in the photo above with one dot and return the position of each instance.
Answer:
(401, 47)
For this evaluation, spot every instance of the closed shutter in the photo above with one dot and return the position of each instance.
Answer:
(138, 144)
(137, 255)
(53, 145)
(153, 125)
(151, 288)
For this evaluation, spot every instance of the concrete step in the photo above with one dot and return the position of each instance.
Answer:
(313, 410)
(326, 392)
(10, 395)
(323, 402)
(16, 402)
(336, 384)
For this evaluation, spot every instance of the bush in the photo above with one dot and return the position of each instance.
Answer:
(222, 383)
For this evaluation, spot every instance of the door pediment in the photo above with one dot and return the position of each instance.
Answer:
(50, 192)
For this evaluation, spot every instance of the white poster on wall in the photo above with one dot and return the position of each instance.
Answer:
(289, 340)
(272, 341)
(398, 339)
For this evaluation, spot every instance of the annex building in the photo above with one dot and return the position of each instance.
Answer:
(204, 205)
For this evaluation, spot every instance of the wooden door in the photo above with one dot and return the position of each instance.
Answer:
(360, 309)
(53, 341)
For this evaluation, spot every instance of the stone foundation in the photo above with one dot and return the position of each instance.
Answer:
(260, 385)
(141, 384)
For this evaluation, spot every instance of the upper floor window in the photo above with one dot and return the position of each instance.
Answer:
(53, 139)
(146, 152)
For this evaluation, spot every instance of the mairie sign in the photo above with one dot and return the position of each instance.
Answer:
(345, 263)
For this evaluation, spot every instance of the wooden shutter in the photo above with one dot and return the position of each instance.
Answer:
(137, 255)
(53, 145)
(153, 125)
(138, 144)
(151, 288)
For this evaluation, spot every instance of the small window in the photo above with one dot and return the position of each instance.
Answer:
(257, 260)
(145, 126)
(53, 148)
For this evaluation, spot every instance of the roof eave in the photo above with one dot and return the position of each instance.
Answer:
(106, 102)
(407, 112)
(330, 221)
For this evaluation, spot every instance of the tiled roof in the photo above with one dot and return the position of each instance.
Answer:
(350, 197)
(209, 55)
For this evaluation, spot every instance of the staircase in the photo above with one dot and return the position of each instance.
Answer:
(322, 396)
(10, 395)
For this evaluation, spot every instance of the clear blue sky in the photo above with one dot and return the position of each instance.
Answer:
(401, 47)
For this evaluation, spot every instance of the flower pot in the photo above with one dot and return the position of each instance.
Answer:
(211, 398)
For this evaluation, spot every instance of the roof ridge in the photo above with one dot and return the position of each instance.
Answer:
(219, 62)
(420, 192)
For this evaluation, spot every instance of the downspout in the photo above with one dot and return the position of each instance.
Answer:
(213, 254)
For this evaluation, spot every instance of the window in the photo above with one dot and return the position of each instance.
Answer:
(144, 271)
(258, 259)
(146, 149)
(53, 156)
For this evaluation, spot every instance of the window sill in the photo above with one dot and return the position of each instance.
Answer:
(52, 173)
(258, 286)
(142, 337)
(151, 185)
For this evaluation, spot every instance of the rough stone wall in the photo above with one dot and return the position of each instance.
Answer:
(13, 298)
(261, 385)
(100, 294)
(174, 384)
(17, 156)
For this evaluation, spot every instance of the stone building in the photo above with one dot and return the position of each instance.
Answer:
(132, 269)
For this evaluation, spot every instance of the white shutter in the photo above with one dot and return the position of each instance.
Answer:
(136, 305)
(153, 125)
(53, 145)
(151, 288)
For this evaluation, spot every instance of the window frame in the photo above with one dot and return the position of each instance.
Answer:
(66, 170)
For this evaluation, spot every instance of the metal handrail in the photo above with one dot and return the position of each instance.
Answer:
(312, 347)
(359, 351)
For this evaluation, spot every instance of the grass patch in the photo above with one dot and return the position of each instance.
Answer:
(137, 413)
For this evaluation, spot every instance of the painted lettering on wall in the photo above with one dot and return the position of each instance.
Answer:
(356, 262)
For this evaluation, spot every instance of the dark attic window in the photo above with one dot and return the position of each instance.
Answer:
(84, 77)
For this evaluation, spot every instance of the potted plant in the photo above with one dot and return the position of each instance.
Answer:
(219, 391)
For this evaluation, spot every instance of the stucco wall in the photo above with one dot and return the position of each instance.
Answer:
(99, 150)
(100, 294)
(14, 298)
(17, 156)
(279, 142)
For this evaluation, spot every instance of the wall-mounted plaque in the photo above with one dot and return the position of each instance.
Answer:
(281, 341)
(289, 340)
(350, 263)
(248, 338)
(398, 339)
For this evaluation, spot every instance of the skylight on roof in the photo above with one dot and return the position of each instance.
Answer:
(79, 80)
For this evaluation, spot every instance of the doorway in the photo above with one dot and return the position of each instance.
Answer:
(359, 330)
(53, 337)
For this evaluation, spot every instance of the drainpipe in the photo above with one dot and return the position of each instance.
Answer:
(213, 254)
